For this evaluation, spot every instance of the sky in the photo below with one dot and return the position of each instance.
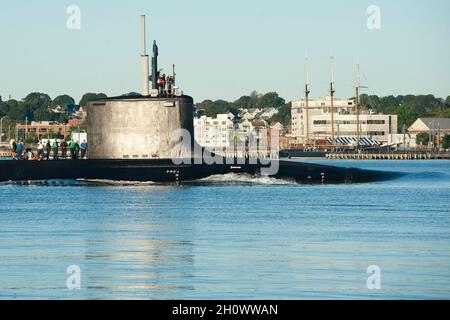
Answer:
(226, 49)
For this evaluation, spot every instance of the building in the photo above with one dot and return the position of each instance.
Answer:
(42, 129)
(403, 141)
(268, 113)
(436, 128)
(213, 133)
(313, 124)
(79, 137)
(427, 125)
(75, 123)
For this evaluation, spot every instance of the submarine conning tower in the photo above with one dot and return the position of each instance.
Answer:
(140, 127)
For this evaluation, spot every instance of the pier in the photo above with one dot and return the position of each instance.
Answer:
(407, 155)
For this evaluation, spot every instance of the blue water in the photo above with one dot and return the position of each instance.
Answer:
(230, 238)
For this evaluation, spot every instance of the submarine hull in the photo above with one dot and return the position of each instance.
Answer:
(166, 171)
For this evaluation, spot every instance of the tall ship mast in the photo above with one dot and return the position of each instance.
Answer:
(307, 92)
(358, 105)
(332, 91)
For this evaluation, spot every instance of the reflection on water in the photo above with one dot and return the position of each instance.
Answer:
(229, 238)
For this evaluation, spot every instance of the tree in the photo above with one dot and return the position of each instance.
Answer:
(444, 113)
(446, 142)
(18, 111)
(407, 114)
(4, 109)
(271, 100)
(284, 115)
(131, 94)
(242, 102)
(423, 139)
(204, 105)
(254, 99)
(42, 114)
(88, 97)
(37, 100)
(62, 101)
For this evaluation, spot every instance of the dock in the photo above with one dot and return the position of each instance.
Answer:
(389, 156)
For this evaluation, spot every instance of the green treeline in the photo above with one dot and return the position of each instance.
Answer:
(408, 108)
(254, 100)
(38, 106)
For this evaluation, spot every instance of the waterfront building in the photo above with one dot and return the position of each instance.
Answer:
(436, 128)
(317, 127)
(213, 132)
(427, 125)
(42, 129)
(406, 141)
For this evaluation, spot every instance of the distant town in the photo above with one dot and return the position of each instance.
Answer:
(401, 122)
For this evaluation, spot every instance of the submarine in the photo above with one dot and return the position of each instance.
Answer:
(131, 138)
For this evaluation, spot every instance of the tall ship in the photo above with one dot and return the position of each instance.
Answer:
(323, 125)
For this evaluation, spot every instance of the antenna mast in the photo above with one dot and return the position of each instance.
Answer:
(174, 74)
(144, 60)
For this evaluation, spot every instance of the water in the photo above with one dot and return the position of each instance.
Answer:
(230, 238)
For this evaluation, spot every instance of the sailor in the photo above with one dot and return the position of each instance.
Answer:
(48, 148)
(29, 155)
(64, 149)
(13, 146)
(83, 149)
(72, 149)
(77, 150)
(55, 149)
(170, 85)
(19, 150)
(161, 83)
(40, 150)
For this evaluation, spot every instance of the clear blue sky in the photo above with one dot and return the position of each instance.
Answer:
(225, 49)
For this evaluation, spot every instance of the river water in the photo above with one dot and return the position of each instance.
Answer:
(230, 237)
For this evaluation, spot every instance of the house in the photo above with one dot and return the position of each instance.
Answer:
(427, 125)
(247, 116)
(268, 113)
(254, 112)
(259, 124)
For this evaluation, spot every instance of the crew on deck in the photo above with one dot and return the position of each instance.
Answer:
(44, 150)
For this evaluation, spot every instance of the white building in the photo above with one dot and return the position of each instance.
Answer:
(403, 141)
(314, 123)
(79, 136)
(213, 133)
(268, 113)
(245, 128)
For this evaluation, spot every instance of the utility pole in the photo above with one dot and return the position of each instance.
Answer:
(332, 91)
(307, 92)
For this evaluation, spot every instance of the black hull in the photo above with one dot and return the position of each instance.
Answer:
(165, 171)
